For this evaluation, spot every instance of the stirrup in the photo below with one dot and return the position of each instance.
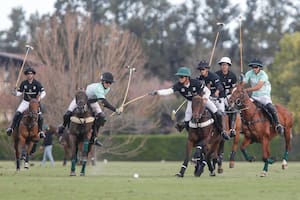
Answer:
(97, 142)
(60, 129)
(232, 132)
(9, 131)
(42, 134)
(224, 135)
(279, 129)
(179, 127)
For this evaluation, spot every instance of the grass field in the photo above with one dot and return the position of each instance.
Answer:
(114, 180)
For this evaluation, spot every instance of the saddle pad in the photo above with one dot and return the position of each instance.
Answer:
(77, 120)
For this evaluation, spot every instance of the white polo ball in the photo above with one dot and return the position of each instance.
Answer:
(135, 175)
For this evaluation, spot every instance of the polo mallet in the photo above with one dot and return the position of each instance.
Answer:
(28, 48)
(173, 115)
(135, 99)
(131, 69)
(241, 44)
(220, 26)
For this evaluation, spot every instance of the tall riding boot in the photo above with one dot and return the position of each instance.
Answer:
(180, 126)
(99, 121)
(187, 126)
(278, 127)
(66, 122)
(40, 124)
(232, 119)
(219, 122)
(16, 120)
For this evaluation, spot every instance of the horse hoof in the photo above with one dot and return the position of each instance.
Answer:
(82, 174)
(284, 164)
(263, 174)
(251, 159)
(26, 165)
(213, 173)
(231, 164)
(72, 174)
(179, 175)
(220, 171)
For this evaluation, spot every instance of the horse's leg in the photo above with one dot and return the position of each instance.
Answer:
(28, 150)
(17, 153)
(189, 146)
(235, 143)
(84, 155)
(287, 136)
(220, 156)
(266, 156)
(199, 158)
(73, 139)
(244, 144)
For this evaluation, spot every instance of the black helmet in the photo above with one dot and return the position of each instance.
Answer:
(107, 76)
(29, 69)
(256, 62)
(203, 64)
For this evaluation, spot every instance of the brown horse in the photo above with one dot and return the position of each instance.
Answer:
(27, 133)
(204, 136)
(257, 127)
(80, 132)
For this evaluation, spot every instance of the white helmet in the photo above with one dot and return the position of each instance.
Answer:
(225, 60)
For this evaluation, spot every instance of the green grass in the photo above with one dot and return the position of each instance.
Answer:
(114, 180)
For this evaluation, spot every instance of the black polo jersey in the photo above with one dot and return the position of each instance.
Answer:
(228, 80)
(30, 90)
(212, 81)
(195, 88)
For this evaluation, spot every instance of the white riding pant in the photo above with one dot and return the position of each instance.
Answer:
(211, 106)
(188, 112)
(95, 107)
(263, 99)
(24, 105)
(219, 102)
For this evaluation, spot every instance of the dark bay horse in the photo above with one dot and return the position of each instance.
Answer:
(27, 133)
(204, 136)
(257, 127)
(80, 131)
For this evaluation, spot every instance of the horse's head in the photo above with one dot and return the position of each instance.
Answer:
(34, 106)
(198, 108)
(81, 100)
(238, 97)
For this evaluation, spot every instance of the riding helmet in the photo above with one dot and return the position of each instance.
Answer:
(28, 70)
(107, 76)
(184, 71)
(256, 62)
(203, 64)
(225, 60)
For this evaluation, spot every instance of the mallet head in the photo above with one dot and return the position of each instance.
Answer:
(28, 47)
(173, 115)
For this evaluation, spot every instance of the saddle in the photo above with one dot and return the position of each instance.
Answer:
(264, 110)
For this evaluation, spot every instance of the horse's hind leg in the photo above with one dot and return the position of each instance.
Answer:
(17, 154)
(287, 135)
(220, 156)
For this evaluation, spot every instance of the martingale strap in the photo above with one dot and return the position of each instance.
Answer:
(78, 120)
(201, 124)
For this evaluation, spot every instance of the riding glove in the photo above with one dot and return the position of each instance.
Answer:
(153, 93)
(119, 110)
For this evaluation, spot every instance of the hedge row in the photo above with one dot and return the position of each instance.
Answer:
(153, 148)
